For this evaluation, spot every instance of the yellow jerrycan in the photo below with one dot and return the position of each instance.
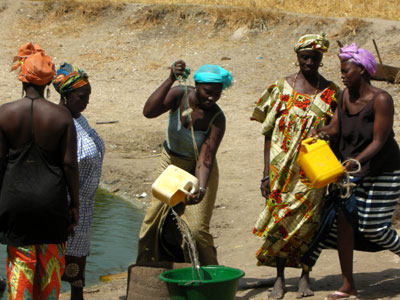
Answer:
(174, 185)
(318, 162)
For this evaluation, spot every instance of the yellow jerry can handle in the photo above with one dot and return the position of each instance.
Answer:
(311, 143)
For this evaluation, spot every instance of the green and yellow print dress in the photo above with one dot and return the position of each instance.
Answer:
(291, 213)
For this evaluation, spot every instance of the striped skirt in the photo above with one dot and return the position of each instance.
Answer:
(369, 210)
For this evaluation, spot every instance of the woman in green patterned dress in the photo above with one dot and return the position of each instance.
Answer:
(288, 110)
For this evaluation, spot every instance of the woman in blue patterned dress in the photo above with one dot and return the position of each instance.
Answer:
(74, 88)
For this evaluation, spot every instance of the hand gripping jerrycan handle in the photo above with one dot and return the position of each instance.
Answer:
(174, 185)
(318, 162)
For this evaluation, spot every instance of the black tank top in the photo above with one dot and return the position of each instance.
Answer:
(33, 197)
(356, 133)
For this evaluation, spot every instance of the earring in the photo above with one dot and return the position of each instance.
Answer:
(296, 63)
(48, 92)
(321, 64)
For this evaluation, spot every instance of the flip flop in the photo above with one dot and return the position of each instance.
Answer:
(337, 295)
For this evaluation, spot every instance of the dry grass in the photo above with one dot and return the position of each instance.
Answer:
(232, 14)
(217, 17)
(67, 16)
(389, 9)
(386, 9)
(352, 27)
(250, 9)
(87, 9)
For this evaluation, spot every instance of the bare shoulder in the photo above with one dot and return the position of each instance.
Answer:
(383, 102)
(290, 78)
(10, 109)
(178, 90)
(55, 108)
(383, 98)
(219, 115)
(54, 113)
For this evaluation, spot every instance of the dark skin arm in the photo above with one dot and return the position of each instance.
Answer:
(164, 98)
(264, 187)
(207, 155)
(383, 123)
(70, 168)
(3, 156)
(332, 129)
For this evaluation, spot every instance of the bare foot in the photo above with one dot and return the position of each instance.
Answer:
(304, 287)
(279, 289)
(341, 295)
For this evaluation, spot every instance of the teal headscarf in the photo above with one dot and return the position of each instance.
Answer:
(213, 74)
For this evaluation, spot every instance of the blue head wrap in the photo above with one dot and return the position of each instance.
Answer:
(69, 78)
(213, 74)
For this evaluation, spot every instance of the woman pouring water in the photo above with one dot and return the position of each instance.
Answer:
(196, 126)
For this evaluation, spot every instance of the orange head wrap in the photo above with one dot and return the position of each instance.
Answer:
(35, 66)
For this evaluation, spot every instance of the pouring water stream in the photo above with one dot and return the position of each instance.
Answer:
(191, 243)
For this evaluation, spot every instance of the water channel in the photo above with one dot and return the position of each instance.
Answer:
(115, 228)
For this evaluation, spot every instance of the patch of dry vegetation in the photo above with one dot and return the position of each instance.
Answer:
(67, 16)
(216, 17)
(386, 9)
(232, 14)
(87, 9)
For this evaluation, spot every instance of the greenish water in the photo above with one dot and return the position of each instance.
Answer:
(115, 228)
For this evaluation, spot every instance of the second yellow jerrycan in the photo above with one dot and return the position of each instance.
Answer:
(318, 162)
(174, 185)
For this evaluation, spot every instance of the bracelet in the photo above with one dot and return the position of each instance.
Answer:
(202, 190)
(265, 178)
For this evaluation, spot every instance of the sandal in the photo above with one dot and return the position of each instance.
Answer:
(340, 296)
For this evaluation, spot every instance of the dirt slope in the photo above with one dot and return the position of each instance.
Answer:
(127, 50)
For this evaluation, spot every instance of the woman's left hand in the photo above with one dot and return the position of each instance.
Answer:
(350, 166)
(196, 197)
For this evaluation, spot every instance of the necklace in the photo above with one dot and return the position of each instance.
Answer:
(313, 97)
(316, 90)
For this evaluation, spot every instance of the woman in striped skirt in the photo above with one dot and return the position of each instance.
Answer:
(363, 127)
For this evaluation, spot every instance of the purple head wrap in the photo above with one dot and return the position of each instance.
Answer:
(359, 56)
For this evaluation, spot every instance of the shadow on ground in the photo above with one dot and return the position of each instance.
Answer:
(385, 284)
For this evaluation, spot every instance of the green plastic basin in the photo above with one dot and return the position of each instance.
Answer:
(220, 283)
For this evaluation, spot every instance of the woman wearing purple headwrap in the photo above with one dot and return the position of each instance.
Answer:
(363, 127)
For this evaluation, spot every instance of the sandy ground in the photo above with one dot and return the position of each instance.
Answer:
(127, 53)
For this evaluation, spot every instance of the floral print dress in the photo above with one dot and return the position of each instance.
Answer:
(291, 214)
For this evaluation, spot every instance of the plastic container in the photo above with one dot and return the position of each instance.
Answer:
(318, 162)
(174, 185)
(220, 283)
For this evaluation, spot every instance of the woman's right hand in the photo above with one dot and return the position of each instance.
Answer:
(73, 215)
(313, 133)
(264, 187)
(177, 69)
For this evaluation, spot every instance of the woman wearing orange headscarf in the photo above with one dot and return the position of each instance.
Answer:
(38, 167)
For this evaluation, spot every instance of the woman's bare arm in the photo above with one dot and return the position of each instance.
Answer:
(207, 155)
(164, 98)
(70, 166)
